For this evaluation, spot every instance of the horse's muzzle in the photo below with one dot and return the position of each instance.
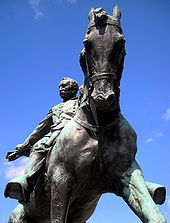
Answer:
(104, 101)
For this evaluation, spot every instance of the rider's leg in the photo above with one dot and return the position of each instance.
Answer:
(20, 187)
(38, 154)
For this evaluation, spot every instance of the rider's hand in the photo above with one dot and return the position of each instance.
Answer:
(11, 156)
(19, 147)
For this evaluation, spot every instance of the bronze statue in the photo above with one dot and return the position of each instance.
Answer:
(41, 140)
(95, 152)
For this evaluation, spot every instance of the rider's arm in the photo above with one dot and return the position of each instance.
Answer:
(24, 149)
(41, 130)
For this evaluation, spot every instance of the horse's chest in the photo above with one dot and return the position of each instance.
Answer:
(111, 155)
(118, 151)
(87, 157)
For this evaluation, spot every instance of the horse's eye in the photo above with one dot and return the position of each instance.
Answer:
(117, 49)
(121, 42)
(87, 44)
(88, 32)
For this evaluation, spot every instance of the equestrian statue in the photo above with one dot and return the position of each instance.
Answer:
(94, 151)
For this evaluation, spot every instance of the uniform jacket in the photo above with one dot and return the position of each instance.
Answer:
(56, 119)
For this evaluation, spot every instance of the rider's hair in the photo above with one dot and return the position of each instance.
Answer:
(73, 85)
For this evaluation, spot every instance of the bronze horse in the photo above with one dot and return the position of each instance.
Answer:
(95, 153)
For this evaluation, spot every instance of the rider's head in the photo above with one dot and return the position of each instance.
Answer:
(68, 88)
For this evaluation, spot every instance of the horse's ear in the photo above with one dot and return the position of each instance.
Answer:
(91, 15)
(116, 13)
(82, 61)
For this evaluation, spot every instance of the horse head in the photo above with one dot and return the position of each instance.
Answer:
(102, 58)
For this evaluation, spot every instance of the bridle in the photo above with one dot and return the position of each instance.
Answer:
(107, 22)
(97, 76)
(91, 78)
(104, 75)
(95, 128)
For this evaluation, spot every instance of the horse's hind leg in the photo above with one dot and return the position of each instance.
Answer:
(59, 196)
(135, 193)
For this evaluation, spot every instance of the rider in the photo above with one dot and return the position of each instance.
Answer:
(41, 140)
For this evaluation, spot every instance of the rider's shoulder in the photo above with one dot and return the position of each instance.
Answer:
(55, 107)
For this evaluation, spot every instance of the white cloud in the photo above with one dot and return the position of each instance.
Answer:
(35, 6)
(166, 115)
(158, 134)
(149, 140)
(15, 169)
(168, 203)
(24, 160)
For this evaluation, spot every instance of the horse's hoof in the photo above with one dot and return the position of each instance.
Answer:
(17, 189)
(159, 195)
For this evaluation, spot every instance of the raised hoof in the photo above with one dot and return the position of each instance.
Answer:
(17, 189)
(159, 195)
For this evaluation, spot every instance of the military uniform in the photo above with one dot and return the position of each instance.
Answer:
(49, 128)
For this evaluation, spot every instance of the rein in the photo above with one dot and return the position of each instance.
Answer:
(94, 128)
(99, 76)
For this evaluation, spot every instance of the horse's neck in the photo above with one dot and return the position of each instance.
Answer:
(95, 117)
(85, 115)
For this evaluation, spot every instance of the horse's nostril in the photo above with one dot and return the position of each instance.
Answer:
(100, 98)
(111, 97)
(105, 98)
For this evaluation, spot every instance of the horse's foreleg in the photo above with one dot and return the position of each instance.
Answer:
(157, 192)
(59, 196)
(134, 191)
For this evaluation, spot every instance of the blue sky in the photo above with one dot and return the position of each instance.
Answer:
(40, 43)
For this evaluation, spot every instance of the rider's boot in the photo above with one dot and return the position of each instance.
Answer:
(21, 187)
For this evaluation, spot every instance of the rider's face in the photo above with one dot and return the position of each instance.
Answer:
(64, 89)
